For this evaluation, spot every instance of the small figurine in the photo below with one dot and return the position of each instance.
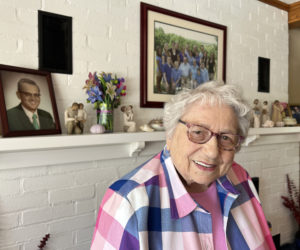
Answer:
(71, 123)
(81, 116)
(256, 114)
(129, 124)
(268, 124)
(146, 128)
(265, 112)
(157, 124)
(277, 112)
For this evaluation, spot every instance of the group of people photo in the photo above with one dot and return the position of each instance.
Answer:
(182, 66)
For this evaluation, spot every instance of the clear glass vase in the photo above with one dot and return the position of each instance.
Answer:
(105, 116)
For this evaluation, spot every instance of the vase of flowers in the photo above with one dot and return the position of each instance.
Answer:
(104, 92)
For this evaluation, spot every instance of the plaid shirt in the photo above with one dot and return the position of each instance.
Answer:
(149, 208)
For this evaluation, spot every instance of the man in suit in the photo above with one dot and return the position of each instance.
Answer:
(26, 115)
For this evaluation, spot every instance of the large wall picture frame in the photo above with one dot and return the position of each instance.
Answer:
(27, 102)
(183, 36)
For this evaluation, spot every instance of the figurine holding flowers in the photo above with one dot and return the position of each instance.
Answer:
(104, 92)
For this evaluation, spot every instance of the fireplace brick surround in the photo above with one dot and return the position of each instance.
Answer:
(59, 190)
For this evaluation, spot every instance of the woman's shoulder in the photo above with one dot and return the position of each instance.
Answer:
(140, 176)
(238, 174)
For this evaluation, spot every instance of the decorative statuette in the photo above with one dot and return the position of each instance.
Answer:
(129, 123)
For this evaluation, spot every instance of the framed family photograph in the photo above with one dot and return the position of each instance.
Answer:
(178, 52)
(27, 102)
(295, 113)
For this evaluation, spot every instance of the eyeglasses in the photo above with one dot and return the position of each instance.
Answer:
(35, 95)
(201, 135)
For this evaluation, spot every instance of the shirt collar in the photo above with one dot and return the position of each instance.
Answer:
(181, 203)
(28, 112)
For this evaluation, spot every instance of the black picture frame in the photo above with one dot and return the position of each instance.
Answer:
(55, 42)
(264, 74)
(150, 15)
(9, 100)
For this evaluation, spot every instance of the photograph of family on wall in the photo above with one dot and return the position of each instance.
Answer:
(178, 52)
(183, 58)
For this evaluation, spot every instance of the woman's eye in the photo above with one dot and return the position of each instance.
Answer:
(225, 137)
(197, 132)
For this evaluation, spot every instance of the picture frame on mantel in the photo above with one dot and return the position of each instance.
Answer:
(27, 102)
(166, 33)
(295, 112)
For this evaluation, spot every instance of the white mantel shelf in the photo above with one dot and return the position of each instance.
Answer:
(56, 149)
(73, 141)
(88, 140)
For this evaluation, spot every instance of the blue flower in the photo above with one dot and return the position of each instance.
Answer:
(107, 77)
(94, 94)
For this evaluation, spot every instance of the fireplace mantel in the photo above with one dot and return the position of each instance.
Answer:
(47, 150)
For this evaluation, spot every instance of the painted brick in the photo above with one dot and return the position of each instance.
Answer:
(8, 44)
(74, 223)
(48, 182)
(56, 241)
(86, 206)
(22, 234)
(25, 201)
(63, 210)
(24, 172)
(36, 216)
(81, 246)
(72, 167)
(7, 14)
(15, 247)
(72, 194)
(27, 16)
(93, 176)
(9, 187)
(9, 221)
(85, 234)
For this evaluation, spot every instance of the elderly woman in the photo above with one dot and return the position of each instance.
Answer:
(192, 195)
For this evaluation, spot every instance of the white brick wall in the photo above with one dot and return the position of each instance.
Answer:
(63, 199)
(36, 206)
(106, 38)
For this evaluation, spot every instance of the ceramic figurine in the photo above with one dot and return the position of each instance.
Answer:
(157, 124)
(256, 114)
(268, 124)
(81, 116)
(277, 112)
(146, 128)
(129, 123)
(71, 122)
(265, 112)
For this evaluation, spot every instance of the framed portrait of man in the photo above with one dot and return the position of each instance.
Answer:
(27, 102)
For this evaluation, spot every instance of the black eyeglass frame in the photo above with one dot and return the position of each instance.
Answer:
(27, 94)
(189, 125)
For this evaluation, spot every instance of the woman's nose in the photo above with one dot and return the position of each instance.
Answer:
(211, 148)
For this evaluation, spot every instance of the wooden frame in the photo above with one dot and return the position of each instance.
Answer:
(35, 93)
(295, 112)
(187, 31)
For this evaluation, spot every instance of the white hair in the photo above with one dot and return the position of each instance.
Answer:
(211, 93)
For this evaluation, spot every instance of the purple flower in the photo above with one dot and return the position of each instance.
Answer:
(94, 94)
(106, 77)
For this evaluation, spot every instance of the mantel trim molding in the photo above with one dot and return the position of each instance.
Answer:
(21, 152)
